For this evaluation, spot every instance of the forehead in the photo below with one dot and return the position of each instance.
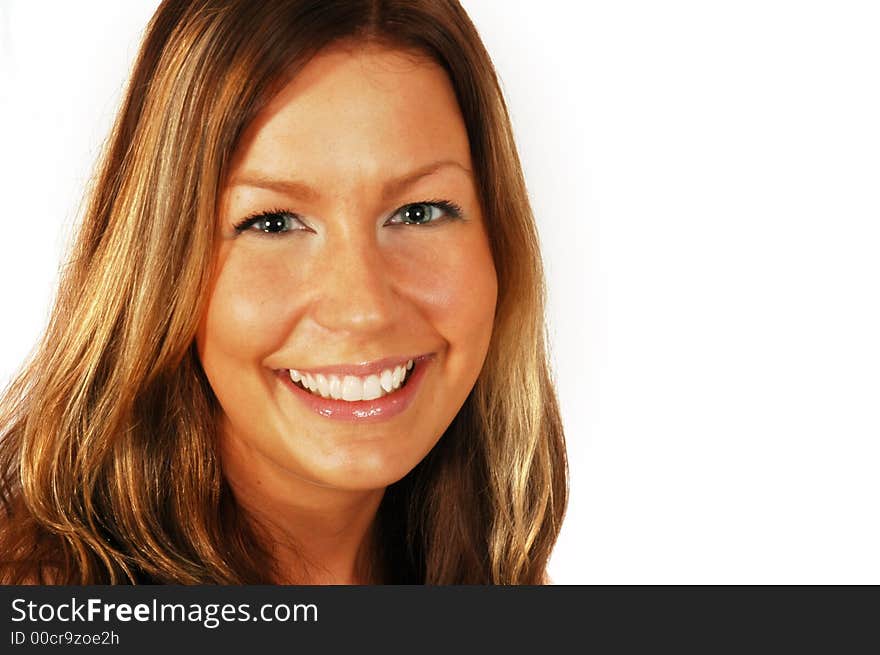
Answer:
(358, 111)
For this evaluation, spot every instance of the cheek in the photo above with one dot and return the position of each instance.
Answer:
(250, 301)
(453, 280)
(442, 282)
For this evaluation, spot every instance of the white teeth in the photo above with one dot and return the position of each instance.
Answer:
(372, 388)
(335, 388)
(323, 385)
(352, 388)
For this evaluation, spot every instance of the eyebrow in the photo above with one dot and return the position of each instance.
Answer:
(307, 193)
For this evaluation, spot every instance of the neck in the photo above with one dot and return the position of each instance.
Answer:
(315, 534)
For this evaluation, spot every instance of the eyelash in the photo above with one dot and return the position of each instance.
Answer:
(452, 212)
(248, 222)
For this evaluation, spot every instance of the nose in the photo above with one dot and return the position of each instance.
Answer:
(356, 293)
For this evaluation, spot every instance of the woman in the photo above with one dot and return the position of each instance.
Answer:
(300, 337)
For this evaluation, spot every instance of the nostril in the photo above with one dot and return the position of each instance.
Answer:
(356, 297)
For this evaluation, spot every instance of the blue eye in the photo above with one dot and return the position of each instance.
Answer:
(422, 213)
(271, 222)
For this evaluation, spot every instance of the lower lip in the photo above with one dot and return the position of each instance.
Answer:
(363, 411)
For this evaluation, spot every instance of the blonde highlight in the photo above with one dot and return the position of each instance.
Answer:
(109, 471)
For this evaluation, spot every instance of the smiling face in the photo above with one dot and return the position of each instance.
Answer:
(352, 242)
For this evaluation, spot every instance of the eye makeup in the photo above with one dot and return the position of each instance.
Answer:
(272, 222)
(275, 222)
(422, 213)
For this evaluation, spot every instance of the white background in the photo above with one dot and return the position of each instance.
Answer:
(705, 178)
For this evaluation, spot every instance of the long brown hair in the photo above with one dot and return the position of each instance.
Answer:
(108, 466)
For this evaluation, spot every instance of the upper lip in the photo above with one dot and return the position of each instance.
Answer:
(364, 369)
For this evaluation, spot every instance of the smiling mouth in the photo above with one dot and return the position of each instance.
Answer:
(354, 388)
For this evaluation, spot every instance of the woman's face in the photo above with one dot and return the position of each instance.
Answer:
(360, 250)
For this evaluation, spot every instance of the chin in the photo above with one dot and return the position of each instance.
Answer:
(365, 472)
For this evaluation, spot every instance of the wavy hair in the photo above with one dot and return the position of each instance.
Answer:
(109, 471)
